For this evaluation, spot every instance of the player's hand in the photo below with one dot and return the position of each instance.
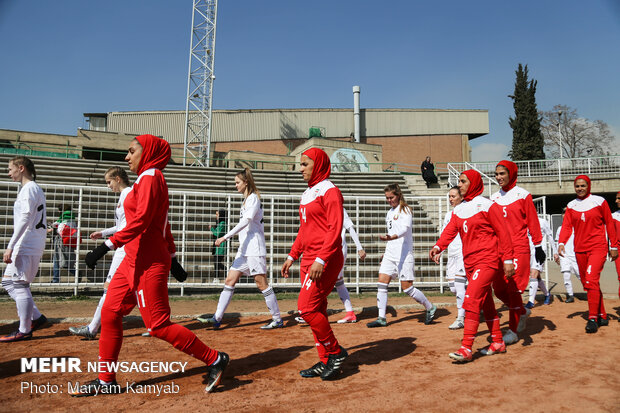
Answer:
(434, 254)
(219, 241)
(385, 237)
(177, 270)
(93, 256)
(509, 270)
(285, 268)
(316, 270)
(540, 255)
(556, 258)
(561, 250)
(362, 254)
(96, 235)
(613, 254)
(7, 256)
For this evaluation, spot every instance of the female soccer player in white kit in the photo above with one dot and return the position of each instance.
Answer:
(455, 273)
(567, 263)
(25, 248)
(536, 268)
(398, 260)
(117, 180)
(251, 255)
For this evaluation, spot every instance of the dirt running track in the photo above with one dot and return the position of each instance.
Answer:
(404, 367)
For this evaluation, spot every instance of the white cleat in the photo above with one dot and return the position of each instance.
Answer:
(457, 324)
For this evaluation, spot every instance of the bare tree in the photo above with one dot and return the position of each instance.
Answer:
(579, 137)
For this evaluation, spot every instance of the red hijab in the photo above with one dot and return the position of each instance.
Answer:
(155, 153)
(585, 178)
(322, 166)
(512, 174)
(475, 184)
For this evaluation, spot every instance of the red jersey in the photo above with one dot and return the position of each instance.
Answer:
(320, 216)
(518, 209)
(147, 229)
(483, 231)
(590, 217)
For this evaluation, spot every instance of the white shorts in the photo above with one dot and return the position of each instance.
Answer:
(403, 270)
(118, 257)
(250, 265)
(534, 265)
(23, 268)
(569, 264)
(456, 266)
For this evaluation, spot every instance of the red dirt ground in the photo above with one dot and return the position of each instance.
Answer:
(554, 367)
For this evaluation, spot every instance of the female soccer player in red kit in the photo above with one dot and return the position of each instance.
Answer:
(142, 277)
(589, 216)
(318, 240)
(479, 223)
(519, 212)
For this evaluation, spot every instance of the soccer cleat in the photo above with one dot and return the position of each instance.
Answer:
(430, 314)
(349, 318)
(210, 320)
(510, 337)
(83, 331)
(332, 367)
(457, 324)
(314, 371)
(602, 322)
(529, 305)
(523, 321)
(548, 300)
(16, 336)
(273, 324)
(591, 326)
(38, 323)
(494, 348)
(570, 299)
(214, 375)
(95, 388)
(379, 322)
(300, 320)
(462, 355)
(146, 334)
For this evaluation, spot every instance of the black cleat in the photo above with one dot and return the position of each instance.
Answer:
(602, 322)
(332, 368)
(214, 375)
(591, 326)
(314, 371)
(95, 388)
(38, 323)
(570, 299)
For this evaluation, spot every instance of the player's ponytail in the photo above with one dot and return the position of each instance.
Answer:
(26, 163)
(117, 171)
(395, 189)
(246, 176)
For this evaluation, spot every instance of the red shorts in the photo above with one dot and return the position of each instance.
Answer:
(313, 294)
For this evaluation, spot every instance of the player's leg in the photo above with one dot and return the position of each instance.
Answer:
(617, 263)
(460, 284)
(387, 271)
(239, 267)
(533, 286)
(343, 293)
(588, 283)
(258, 268)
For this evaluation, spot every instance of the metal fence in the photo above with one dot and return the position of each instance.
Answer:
(555, 169)
(193, 213)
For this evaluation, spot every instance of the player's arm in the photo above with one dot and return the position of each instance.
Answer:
(332, 201)
(565, 232)
(611, 231)
(450, 231)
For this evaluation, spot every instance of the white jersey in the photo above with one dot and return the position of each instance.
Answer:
(399, 223)
(347, 225)
(547, 234)
(119, 215)
(455, 249)
(616, 216)
(29, 221)
(250, 228)
(569, 247)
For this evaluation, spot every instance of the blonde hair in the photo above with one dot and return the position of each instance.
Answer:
(117, 171)
(395, 189)
(246, 176)
(26, 163)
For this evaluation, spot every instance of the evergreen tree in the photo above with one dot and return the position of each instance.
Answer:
(527, 139)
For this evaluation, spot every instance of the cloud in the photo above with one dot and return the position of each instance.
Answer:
(489, 152)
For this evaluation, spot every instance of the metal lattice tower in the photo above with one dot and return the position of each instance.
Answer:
(197, 138)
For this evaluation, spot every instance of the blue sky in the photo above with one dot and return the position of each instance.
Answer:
(62, 59)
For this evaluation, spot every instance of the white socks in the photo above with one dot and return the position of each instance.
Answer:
(535, 284)
(543, 287)
(382, 298)
(272, 303)
(24, 301)
(418, 296)
(94, 325)
(567, 282)
(460, 285)
(223, 302)
(343, 293)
